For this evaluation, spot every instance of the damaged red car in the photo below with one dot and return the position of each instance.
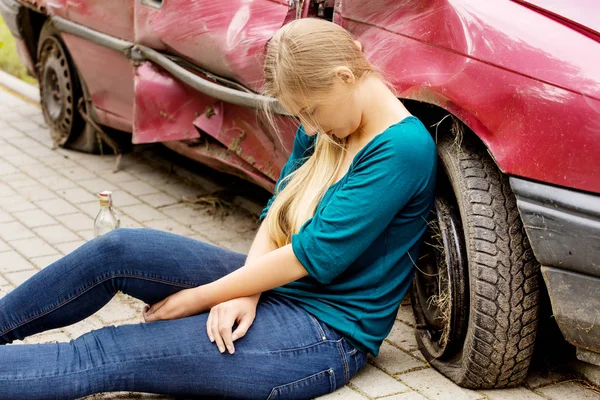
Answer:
(510, 89)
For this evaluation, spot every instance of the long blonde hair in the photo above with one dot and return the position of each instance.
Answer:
(299, 64)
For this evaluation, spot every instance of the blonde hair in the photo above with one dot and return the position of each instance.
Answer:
(299, 64)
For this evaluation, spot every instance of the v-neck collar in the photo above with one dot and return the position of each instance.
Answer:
(373, 139)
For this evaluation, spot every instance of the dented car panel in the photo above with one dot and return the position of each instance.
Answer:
(226, 38)
(520, 90)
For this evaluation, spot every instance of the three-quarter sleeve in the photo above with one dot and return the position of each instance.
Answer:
(301, 149)
(381, 183)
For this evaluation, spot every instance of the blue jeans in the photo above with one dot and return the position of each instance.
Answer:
(286, 353)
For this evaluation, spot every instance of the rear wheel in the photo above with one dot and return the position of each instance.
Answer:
(475, 294)
(60, 92)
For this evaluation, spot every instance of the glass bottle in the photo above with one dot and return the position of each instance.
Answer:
(107, 219)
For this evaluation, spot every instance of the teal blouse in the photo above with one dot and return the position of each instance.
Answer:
(356, 247)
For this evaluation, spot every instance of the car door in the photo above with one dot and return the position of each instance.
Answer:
(221, 42)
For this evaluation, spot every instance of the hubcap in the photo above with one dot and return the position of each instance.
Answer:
(56, 90)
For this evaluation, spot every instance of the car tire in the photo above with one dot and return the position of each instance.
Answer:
(475, 294)
(60, 92)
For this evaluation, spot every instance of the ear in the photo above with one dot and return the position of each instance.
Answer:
(344, 74)
(359, 45)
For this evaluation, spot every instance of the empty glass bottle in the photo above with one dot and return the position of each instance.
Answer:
(107, 219)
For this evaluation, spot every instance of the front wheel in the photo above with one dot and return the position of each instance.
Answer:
(475, 294)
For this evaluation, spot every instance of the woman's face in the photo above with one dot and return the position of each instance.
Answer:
(339, 112)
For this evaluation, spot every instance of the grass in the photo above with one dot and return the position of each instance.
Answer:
(9, 60)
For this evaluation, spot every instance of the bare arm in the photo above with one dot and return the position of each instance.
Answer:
(266, 268)
(261, 245)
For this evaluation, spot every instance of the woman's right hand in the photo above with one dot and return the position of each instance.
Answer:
(222, 317)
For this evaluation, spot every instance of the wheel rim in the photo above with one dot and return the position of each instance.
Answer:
(56, 90)
(440, 284)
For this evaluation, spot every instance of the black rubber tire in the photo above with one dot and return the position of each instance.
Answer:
(61, 115)
(502, 297)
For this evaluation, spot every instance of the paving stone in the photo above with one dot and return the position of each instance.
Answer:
(568, 391)
(511, 394)
(393, 360)
(403, 336)
(7, 169)
(169, 225)
(405, 314)
(91, 209)
(11, 261)
(97, 185)
(17, 278)
(128, 222)
(186, 215)
(56, 207)
(376, 383)
(3, 282)
(119, 177)
(84, 326)
(87, 234)
(6, 190)
(77, 174)
(4, 246)
(344, 393)
(76, 195)
(6, 149)
(17, 203)
(34, 218)
(77, 221)
(404, 396)
(434, 385)
(36, 193)
(116, 311)
(68, 247)
(54, 234)
(44, 261)
(14, 230)
(38, 171)
(143, 213)
(20, 180)
(121, 198)
(5, 217)
(59, 182)
(138, 188)
(60, 161)
(57, 335)
(10, 133)
(33, 247)
(20, 159)
(159, 199)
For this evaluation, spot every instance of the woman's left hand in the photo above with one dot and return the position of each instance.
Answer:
(181, 304)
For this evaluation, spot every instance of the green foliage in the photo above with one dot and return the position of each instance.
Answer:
(9, 60)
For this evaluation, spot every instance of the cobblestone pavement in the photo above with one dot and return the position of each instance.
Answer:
(47, 206)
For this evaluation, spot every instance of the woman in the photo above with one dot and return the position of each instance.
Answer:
(318, 291)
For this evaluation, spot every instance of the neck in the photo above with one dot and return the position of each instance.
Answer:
(380, 109)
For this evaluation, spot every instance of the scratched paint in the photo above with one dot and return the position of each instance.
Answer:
(532, 95)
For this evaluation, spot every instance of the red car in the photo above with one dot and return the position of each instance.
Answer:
(509, 89)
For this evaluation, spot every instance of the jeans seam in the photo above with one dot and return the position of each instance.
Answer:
(304, 347)
(346, 371)
(94, 284)
(319, 328)
(102, 366)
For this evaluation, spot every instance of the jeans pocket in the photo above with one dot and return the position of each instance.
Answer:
(310, 387)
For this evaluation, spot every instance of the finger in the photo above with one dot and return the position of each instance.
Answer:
(208, 326)
(243, 326)
(226, 321)
(216, 335)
